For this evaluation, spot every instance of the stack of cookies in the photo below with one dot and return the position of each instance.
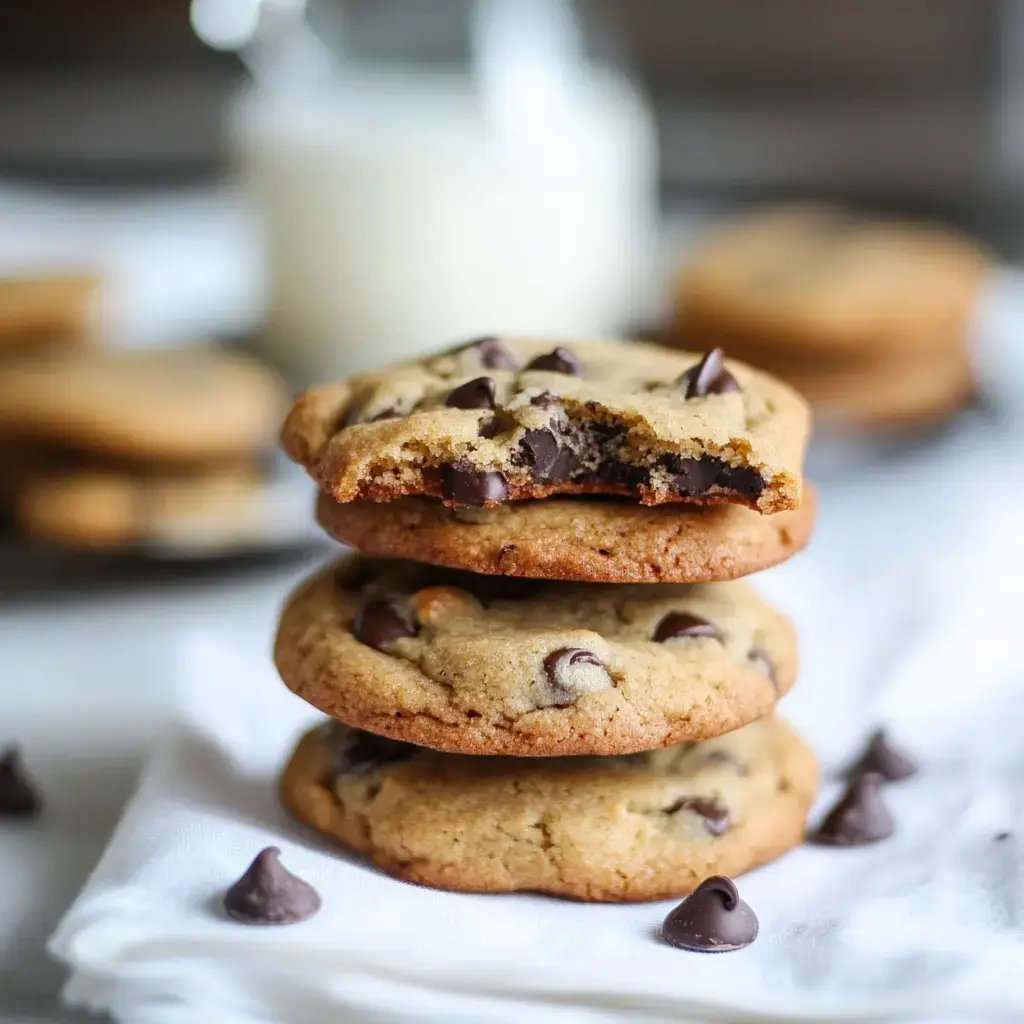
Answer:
(541, 671)
(869, 319)
(107, 450)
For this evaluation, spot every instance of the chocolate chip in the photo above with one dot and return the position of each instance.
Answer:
(759, 660)
(545, 400)
(694, 477)
(742, 479)
(548, 459)
(683, 625)
(493, 353)
(858, 818)
(268, 893)
(709, 376)
(19, 798)
(490, 428)
(378, 624)
(474, 394)
(573, 672)
(622, 474)
(465, 485)
(358, 753)
(716, 815)
(712, 919)
(558, 360)
(1001, 837)
(881, 757)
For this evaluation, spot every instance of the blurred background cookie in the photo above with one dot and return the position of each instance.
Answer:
(111, 509)
(47, 310)
(869, 318)
(180, 406)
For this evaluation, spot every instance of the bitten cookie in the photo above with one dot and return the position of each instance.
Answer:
(497, 665)
(503, 419)
(586, 539)
(643, 827)
(815, 280)
(111, 509)
(187, 405)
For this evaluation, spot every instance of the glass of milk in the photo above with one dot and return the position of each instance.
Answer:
(405, 210)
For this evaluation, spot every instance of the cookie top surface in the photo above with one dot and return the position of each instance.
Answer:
(646, 826)
(597, 540)
(500, 419)
(110, 509)
(495, 665)
(815, 278)
(187, 405)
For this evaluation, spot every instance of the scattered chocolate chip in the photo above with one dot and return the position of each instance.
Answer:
(683, 625)
(474, 394)
(715, 814)
(858, 818)
(759, 660)
(709, 376)
(1001, 837)
(545, 400)
(712, 919)
(19, 798)
(493, 353)
(378, 624)
(490, 428)
(358, 753)
(268, 893)
(465, 485)
(881, 757)
(572, 672)
(558, 360)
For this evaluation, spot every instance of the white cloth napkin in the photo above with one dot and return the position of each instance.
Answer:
(899, 623)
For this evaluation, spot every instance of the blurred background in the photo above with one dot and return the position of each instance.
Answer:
(207, 205)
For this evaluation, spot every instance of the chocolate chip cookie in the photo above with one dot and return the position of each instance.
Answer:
(818, 281)
(109, 508)
(500, 419)
(597, 540)
(47, 310)
(180, 406)
(499, 665)
(643, 827)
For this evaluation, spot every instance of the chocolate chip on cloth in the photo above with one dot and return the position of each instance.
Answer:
(712, 919)
(493, 665)
(268, 893)
(598, 540)
(596, 417)
(859, 818)
(882, 758)
(19, 798)
(650, 826)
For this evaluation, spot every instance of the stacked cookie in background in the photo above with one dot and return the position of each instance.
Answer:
(869, 319)
(542, 670)
(108, 450)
